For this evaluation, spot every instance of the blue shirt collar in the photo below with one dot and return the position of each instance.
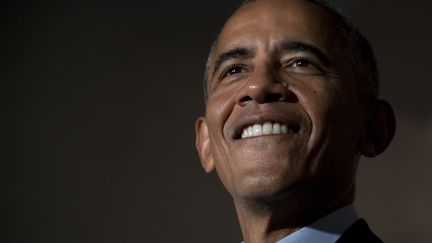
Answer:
(327, 229)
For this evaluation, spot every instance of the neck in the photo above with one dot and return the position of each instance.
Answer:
(263, 222)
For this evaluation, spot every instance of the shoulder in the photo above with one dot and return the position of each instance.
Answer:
(359, 232)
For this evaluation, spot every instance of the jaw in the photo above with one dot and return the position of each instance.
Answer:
(264, 165)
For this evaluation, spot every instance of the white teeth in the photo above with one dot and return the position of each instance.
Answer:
(250, 130)
(276, 128)
(244, 133)
(284, 129)
(257, 129)
(266, 128)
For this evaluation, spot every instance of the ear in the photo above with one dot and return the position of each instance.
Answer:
(379, 130)
(202, 144)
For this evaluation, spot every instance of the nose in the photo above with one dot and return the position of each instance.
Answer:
(264, 87)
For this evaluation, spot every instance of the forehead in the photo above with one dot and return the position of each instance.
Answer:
(268, 22)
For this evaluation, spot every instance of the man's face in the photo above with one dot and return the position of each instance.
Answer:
(282, 113)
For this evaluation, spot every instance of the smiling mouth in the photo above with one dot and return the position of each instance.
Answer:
(267, 128)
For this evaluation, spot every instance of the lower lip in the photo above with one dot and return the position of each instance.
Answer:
(266, 136)
(265, 145)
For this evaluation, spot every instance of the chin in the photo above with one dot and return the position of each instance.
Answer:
(265, 189)
(267, 176)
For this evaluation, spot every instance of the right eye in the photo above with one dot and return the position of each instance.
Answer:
(232, 70)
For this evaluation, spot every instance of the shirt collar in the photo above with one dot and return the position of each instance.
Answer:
(326, 229)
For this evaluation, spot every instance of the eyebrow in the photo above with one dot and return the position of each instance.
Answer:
(236, 53)
(244, 52)
(299, 46)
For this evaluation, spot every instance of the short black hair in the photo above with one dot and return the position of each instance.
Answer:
(354, 45)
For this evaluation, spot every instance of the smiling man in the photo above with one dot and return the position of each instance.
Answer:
(291, 105)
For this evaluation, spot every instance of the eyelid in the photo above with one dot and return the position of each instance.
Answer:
(229, 67)
(311, 61)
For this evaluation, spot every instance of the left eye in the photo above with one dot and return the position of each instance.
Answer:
(232, 70)
(303, 66)
(301, 63)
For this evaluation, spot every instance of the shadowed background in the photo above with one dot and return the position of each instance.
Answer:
(98, 108)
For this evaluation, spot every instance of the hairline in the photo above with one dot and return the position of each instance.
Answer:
(353, 42)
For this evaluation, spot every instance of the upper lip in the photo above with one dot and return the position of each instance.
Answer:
(289, 118)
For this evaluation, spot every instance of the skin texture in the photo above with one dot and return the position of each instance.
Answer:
(286, 68)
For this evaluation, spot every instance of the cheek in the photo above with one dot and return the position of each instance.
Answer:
(219, 108)
(331, 112)
(317, 97)
(335, 117)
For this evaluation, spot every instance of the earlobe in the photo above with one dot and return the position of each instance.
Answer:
(202, 144)
(379, 130)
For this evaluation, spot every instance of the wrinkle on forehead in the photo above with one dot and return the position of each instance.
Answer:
(269, 22)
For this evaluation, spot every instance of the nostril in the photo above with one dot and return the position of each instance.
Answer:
(272, 97)
(267, 98)
(265, 92)
(245, 99)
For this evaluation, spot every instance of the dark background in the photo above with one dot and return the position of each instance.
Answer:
(99, 101)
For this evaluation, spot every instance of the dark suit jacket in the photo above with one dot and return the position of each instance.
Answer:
(359, 232)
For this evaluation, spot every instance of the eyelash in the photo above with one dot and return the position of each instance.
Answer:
(303, 60)
(227, 71)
